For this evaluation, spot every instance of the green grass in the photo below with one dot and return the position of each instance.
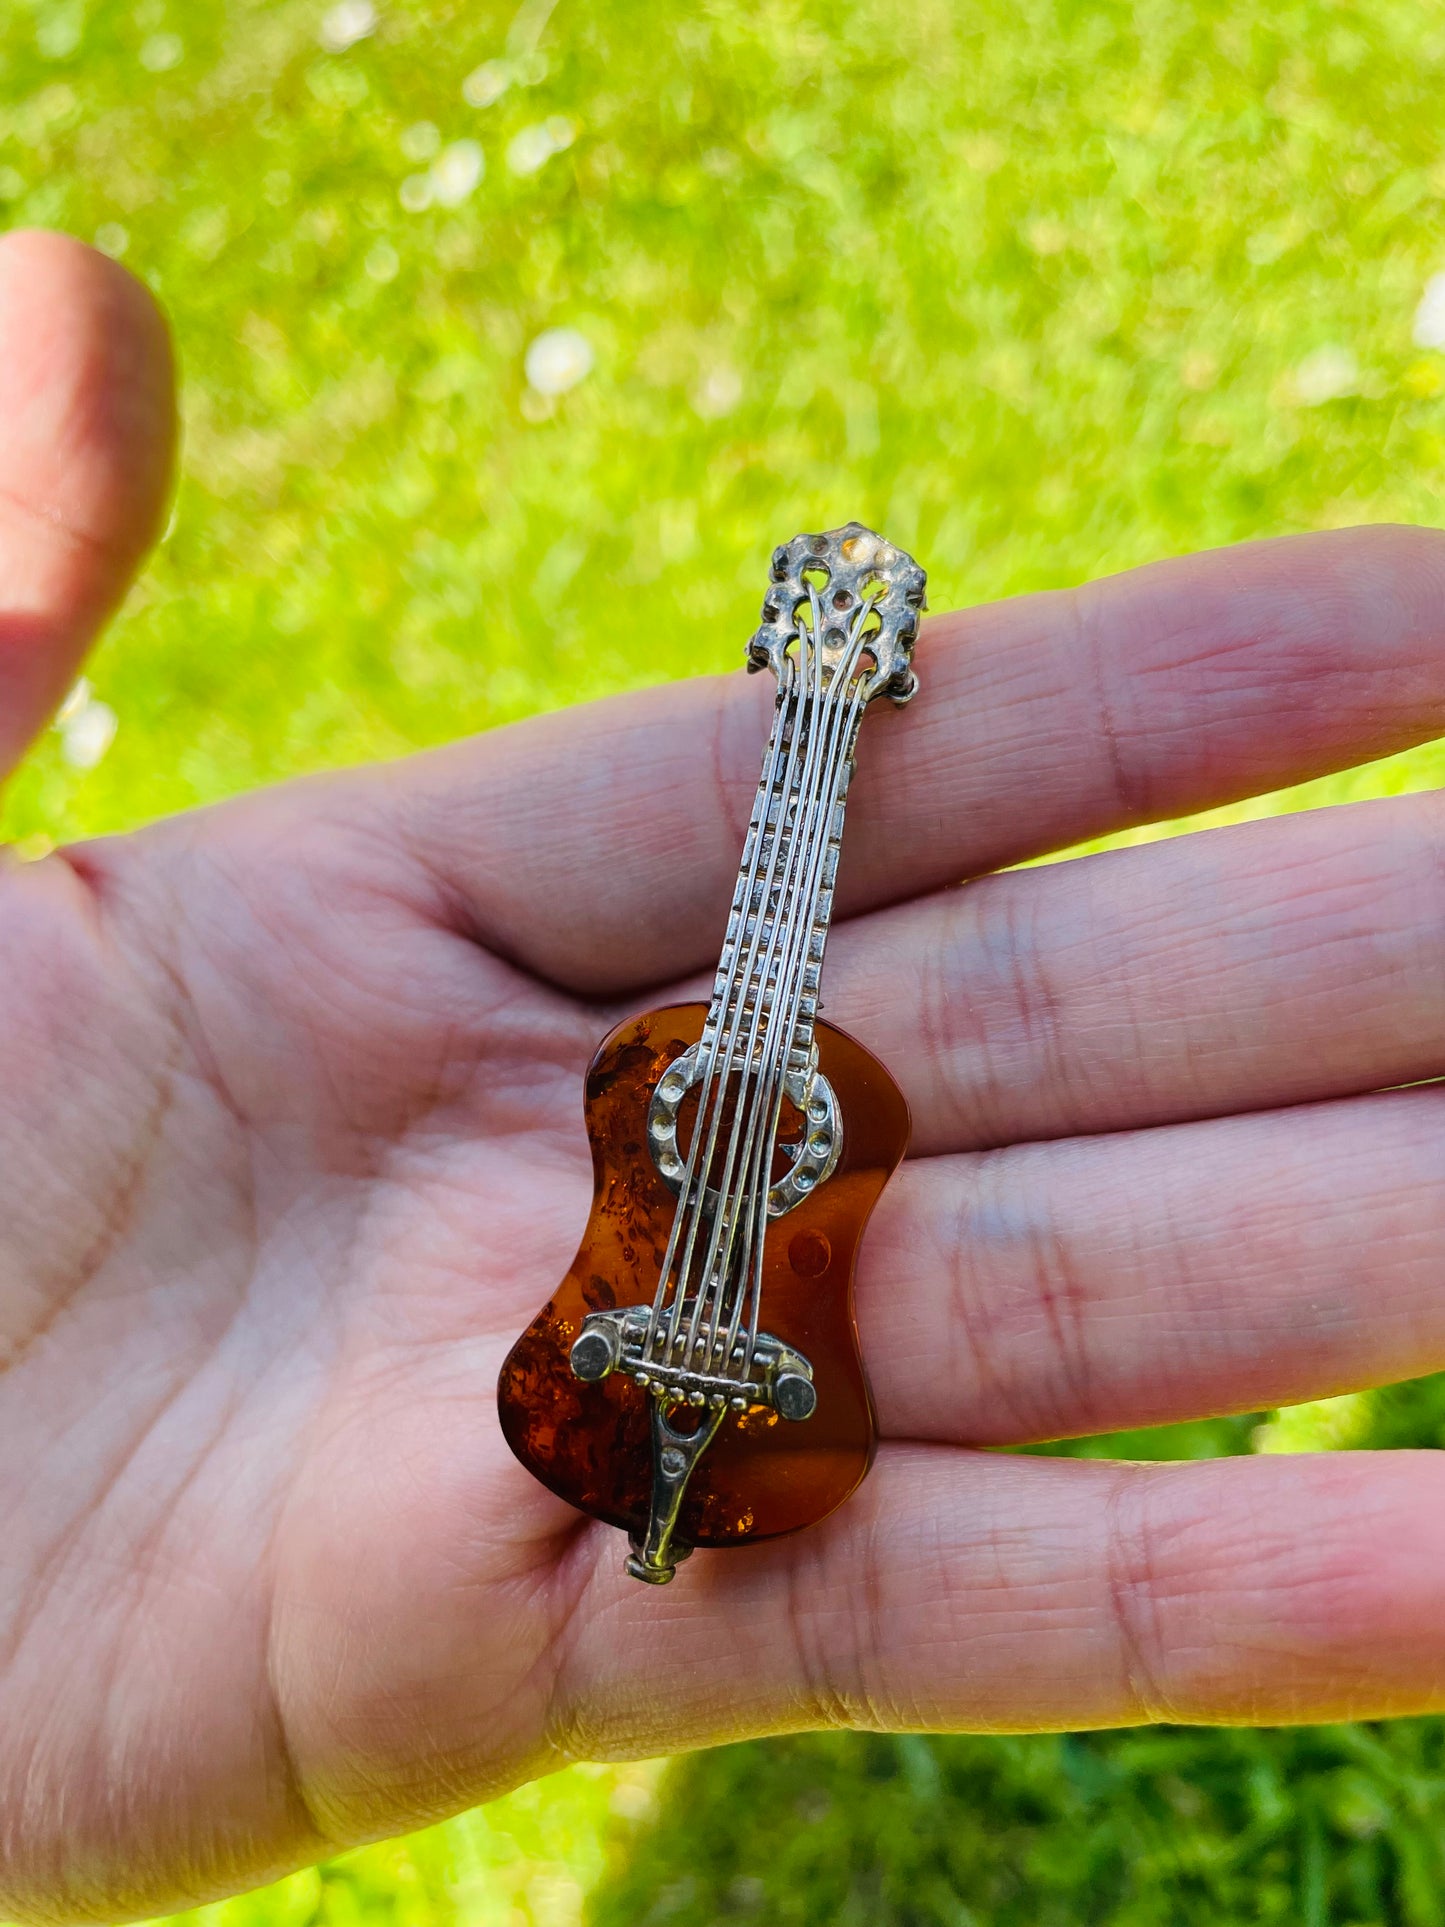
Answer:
(1043, 288)
(1168, 1828)
(1028, 284)
(526, 1861)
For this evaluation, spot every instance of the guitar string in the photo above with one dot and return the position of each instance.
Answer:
(842, 733)
(758, 1227)
(709, 1115)
(791, 949)
(755, 1182)
(692, 1203)
(756, 1218)
(772, 791)
(767, 1027)
(785, 850)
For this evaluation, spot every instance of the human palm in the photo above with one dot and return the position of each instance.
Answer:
(291, 1148)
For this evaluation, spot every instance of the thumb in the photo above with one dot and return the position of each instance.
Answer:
(87, 446)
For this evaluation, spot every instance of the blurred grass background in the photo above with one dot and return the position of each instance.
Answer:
(1045, 289)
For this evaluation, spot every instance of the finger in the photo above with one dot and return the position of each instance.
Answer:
(1098, 1284)
(600, 847)
(954, 1590)
(1260, 965)
(967, 1591)
(87, 397)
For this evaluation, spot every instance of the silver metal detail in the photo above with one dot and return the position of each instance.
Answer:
(779, 1377)
(654, 1557)
(594, 1355)
(854, 559)
(703, 1376)
(811, 1161)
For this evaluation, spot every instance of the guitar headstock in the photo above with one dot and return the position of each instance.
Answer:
(829, 591)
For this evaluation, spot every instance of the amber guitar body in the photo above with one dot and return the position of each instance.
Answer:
(761, 1475)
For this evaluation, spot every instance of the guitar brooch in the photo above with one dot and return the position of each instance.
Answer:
(697, 1378)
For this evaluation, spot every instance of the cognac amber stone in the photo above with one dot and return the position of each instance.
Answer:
(761, 1475)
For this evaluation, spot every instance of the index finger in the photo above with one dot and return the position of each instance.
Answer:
(599, 846)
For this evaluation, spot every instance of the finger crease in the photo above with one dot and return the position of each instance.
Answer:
(54, 523)
(1132, 1579)
(1127, 787)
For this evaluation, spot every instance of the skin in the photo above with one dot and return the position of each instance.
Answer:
(291, 1148)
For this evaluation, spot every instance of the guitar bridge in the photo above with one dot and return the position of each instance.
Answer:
(776, 1376)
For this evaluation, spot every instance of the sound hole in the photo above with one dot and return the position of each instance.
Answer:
(805, 1150)
(791, 1127)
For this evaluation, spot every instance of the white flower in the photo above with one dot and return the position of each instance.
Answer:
(420, 143)
(718, 393)
(415, 193)
(1326, 375)
(58, 36)
(383, 263)
(456, 172)
(557, 360)
(87, 727)
(1429, 330)
(112, 239)
(534, 146)
(162, 52)
(529, 150)
(486, 84)
(346, 23)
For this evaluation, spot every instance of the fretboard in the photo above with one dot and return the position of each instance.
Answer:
(783, 900)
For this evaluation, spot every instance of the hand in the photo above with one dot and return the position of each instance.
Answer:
(291, 1148)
